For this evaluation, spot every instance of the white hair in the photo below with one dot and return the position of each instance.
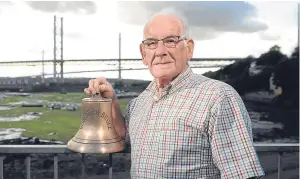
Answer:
(176, 13)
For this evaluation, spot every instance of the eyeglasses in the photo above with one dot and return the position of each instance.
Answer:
(169, 42)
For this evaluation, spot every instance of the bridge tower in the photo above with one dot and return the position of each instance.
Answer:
(119, 60)
(58, 52)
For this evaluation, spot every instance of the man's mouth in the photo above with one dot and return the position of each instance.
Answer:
(164, 63)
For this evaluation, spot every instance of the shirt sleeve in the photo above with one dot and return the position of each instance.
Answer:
(231, 138)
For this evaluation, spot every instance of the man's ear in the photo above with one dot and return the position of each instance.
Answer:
(190, 48)
(143, 54)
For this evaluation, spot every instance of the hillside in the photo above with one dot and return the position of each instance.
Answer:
(272, 71)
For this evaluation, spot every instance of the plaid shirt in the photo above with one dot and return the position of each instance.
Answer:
(196, 128)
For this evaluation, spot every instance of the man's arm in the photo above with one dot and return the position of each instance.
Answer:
(231, 137)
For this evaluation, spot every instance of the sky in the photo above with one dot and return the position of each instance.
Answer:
(91, 29)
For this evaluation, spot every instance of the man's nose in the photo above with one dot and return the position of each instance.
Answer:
(161, 49)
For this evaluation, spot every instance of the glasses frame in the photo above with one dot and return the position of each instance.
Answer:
(180, 38)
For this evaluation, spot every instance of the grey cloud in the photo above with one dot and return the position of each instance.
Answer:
(269, 36)
(81, 7)
(203, 33)
(218, 17)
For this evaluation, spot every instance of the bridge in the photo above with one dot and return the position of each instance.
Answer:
(16, 84)
(36, 62)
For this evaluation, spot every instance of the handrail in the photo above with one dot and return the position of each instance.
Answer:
(61, 149)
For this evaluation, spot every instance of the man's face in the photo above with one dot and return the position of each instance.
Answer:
(168, 57)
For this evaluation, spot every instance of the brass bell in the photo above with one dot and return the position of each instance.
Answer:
(96, 133)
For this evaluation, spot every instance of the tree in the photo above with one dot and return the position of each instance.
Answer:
(272, 57)
(286, 76)
(295, 54)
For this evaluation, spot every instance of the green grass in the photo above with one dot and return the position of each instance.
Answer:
(62, 124)
(71, 97)
(19, 111)
(12, 100)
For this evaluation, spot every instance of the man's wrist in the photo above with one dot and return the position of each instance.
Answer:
(114, 98)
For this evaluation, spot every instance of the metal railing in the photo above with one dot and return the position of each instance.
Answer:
(62, 149)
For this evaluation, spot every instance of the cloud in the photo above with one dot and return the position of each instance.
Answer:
(73, 35)
(5, 3)
(81, 7)
(206, 19)
(269, 35)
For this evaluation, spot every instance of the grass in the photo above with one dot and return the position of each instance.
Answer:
(62, 124)
(19, 111)
(11, 100)
(70, 97)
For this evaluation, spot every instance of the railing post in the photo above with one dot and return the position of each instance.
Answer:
(55, 167)
(82, 166)
(28, 167)
(1, 167)
(279, 168)
(110, 166)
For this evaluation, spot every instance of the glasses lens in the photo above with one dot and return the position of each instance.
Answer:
(171, 41)
(150, 43)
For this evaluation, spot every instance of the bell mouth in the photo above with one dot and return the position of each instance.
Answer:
(94, 147)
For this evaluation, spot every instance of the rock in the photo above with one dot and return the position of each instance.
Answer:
(55, 106)
(71, 108)
(29, 141)
(34, 140)
(32, 104)
(35, 113)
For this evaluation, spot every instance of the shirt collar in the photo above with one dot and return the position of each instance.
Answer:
(175, 84)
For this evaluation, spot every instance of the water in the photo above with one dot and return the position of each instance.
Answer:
(11, 133)
(24, 117)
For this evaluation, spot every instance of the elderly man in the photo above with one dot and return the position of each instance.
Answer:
(184, 125)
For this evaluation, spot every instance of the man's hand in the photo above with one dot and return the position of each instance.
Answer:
(102, 86)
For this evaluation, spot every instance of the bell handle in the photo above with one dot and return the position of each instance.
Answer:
(97, 96)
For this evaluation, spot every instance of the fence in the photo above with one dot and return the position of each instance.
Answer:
(61, 149)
